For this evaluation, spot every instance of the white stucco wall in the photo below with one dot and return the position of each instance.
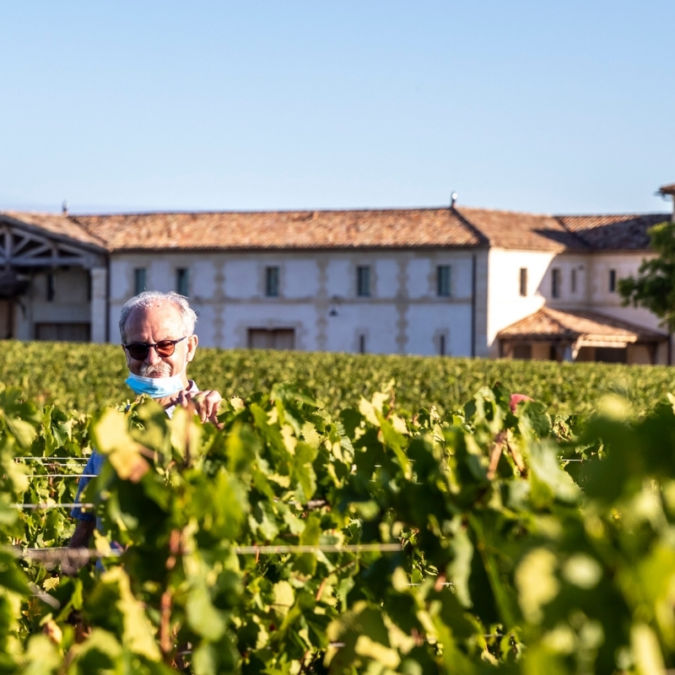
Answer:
(317, 297)
(376, 322)
(241, 278)
(505, 305)
(298, 278)
(426, 323)
(592, 285)
(403, 315)
(602, 300)
(573, 288)
(203, 283)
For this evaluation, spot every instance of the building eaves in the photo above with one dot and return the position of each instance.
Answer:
(548, 323)
(62, 227)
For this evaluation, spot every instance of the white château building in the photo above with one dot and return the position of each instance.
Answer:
(450, 281)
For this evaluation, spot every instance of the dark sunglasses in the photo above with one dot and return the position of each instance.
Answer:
(140, 350)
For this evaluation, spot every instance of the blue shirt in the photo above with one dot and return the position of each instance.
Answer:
(92, 467)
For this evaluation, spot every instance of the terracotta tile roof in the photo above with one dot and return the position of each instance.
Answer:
(614, 232)
(390, 228)
(548, 323)
(61, 225)
(365, 228)
(513, 230)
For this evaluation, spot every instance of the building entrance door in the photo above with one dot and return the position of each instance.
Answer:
(271, 338)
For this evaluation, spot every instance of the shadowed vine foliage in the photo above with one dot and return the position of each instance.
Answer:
(526, 546)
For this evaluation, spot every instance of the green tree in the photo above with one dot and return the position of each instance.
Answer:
(654, 286)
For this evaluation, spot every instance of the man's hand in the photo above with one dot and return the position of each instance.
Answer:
(206, 404)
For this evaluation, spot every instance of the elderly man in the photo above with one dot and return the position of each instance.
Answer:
(157, 331)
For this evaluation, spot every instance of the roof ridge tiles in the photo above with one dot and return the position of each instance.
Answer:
(651, 214)
(572, 233)
(206, 212)
(88, 230)
(475, 230)
(551, 313)
(513, 212)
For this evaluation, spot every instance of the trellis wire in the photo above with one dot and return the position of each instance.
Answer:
(35, 458)
(61, 475)
(319, 548)
(71, 505)
(80, 554)
(59, 554)
(50, 600)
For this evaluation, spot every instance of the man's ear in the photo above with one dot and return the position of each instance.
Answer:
(193, 341)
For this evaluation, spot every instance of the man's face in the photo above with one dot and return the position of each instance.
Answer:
(154, 324)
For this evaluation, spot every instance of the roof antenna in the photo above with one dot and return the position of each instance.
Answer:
(64, 208)
(453, 200)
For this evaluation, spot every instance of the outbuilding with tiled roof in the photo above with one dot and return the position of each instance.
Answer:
(578, 335)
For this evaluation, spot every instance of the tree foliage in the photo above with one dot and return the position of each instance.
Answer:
(654, 286)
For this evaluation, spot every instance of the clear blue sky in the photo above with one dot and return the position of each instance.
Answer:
(555, 107)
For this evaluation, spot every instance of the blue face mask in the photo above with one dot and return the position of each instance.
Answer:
(155, 387)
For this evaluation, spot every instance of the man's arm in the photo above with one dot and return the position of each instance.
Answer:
(86, 520)
(83, 531)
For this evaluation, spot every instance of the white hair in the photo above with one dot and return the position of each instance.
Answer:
(151, 298)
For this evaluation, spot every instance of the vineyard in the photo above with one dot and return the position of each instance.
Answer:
(86, 377)
(346, 515)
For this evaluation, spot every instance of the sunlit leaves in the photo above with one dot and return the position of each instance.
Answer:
(125, 454)
(528, 542)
